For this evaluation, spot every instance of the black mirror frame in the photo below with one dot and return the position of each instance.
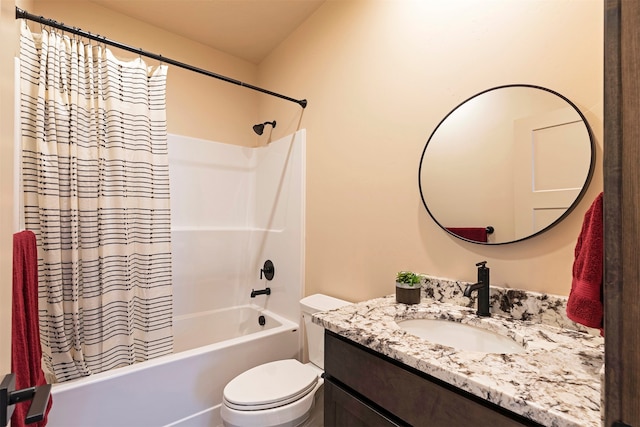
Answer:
(585, 186)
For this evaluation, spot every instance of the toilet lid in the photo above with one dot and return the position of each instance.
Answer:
(272, 384)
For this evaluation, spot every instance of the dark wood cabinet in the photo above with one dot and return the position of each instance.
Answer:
(344, 409)
(365, 388)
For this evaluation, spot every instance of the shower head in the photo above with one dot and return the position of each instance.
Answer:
(259, 128)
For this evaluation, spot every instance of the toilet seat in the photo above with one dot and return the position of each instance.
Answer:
(270, 385)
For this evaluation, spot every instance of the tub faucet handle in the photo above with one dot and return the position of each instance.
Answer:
(268, 270)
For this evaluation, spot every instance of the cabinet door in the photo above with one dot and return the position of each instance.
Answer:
(344, 410)
(420, 401)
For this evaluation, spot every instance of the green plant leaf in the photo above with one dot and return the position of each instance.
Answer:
(407, 277)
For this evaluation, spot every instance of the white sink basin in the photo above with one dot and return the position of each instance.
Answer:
(460, 336)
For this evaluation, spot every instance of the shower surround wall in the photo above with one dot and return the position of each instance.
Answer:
(232, 209)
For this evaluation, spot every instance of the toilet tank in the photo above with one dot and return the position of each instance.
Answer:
(315, 333)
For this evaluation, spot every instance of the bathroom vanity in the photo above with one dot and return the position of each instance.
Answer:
(379, 373)
(366, 388)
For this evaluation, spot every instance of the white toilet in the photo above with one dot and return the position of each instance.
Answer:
(281, 393)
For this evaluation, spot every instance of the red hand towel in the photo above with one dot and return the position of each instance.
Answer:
(477, 234)
(25, 333)
(585, 300)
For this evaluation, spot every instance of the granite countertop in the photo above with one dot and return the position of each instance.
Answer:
(555, 381)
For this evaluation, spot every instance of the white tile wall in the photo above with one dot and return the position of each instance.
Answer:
(233, 208)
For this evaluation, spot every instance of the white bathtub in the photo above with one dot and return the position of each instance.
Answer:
(182, 389)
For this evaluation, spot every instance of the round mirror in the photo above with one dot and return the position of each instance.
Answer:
(506, 164)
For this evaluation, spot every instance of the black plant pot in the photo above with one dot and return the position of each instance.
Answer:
(407, 294)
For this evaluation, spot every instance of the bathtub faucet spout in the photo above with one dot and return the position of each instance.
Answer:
(266, 291)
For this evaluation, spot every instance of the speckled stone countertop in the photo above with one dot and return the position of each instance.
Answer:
(555, 381)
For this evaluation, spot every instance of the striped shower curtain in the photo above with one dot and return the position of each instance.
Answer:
(96, 194)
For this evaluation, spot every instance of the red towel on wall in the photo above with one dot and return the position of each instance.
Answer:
(477, 234)
(25, 333)
(585, 300)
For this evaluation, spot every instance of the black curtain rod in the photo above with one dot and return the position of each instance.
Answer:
(73, 30)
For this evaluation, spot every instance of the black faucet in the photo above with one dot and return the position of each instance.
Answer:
(265, 291)
(483, 289)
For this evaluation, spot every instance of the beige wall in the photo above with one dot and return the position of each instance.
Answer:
(7, 50)
(379, 76)
(197, 105)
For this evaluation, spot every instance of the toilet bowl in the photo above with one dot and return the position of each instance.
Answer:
(281, 393)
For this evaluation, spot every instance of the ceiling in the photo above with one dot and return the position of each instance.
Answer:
(247, 29)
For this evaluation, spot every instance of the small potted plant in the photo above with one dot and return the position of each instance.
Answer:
(407, 287)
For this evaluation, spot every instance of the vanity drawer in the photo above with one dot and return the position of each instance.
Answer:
(344, 409)
(412, 396)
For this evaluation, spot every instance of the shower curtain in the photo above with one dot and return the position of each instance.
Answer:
(96, 194)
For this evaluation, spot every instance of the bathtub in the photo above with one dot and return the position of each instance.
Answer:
(184, 388)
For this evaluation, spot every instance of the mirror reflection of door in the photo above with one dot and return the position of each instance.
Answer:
(548, 146)
(516, 158)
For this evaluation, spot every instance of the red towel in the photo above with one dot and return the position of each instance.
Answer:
(477, 234)
(25, 333)
(585, 300)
